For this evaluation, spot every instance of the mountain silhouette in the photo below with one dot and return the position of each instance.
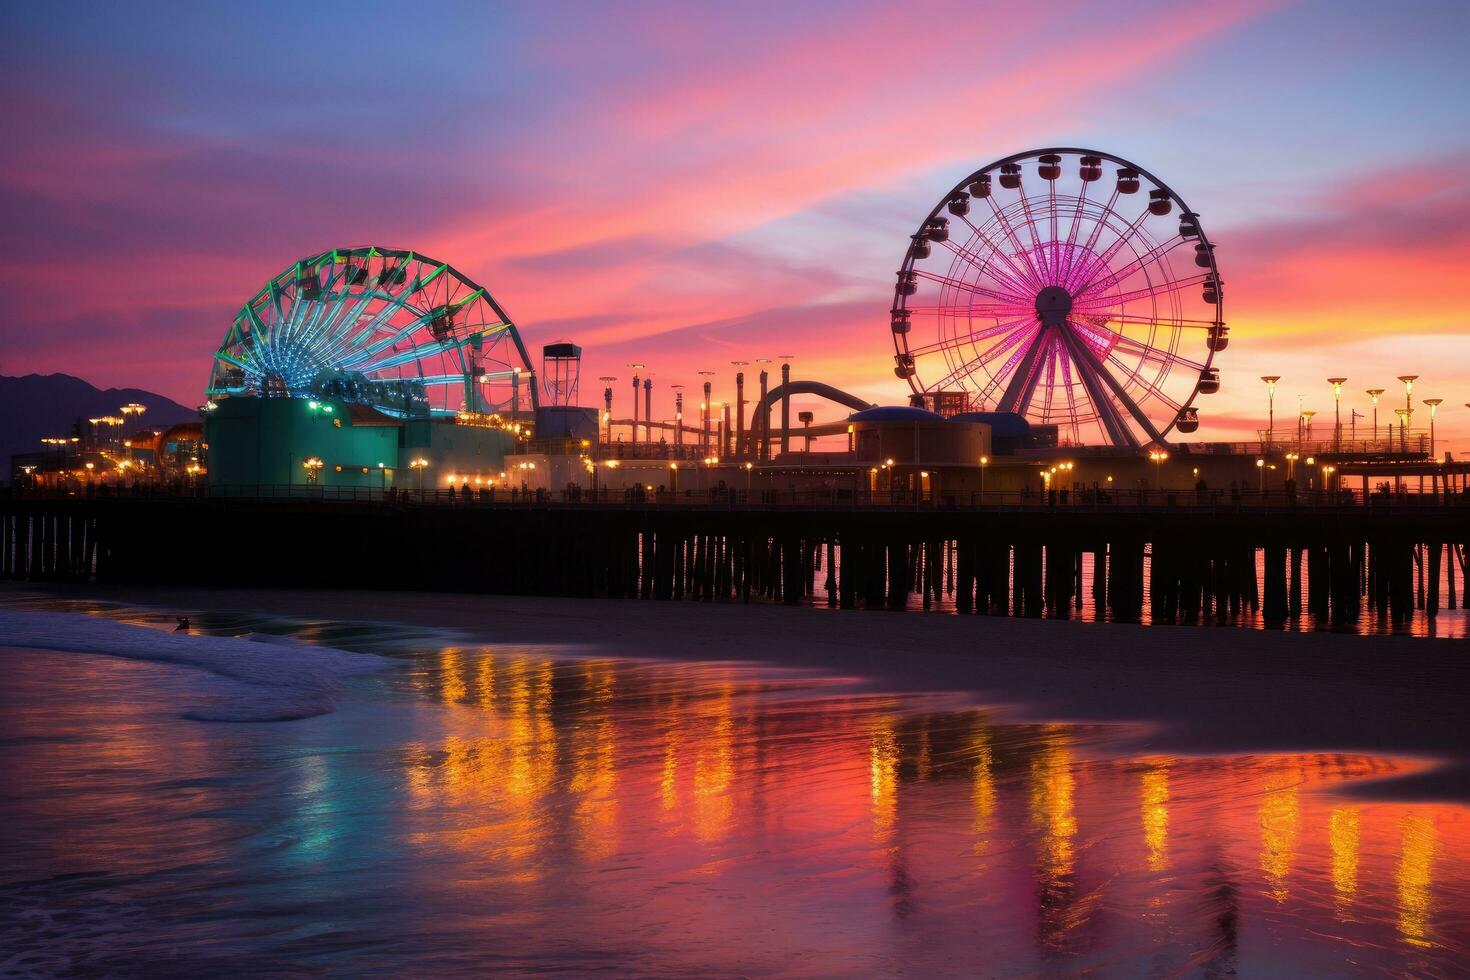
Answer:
(34, 406)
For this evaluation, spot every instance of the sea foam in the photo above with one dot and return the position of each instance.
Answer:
(268, 678)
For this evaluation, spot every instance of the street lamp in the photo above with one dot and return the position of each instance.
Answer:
(1291, 459)
(1261, 469)
(1403, 414)
(418, 465)
(1337, 384)
(984, 462)
(1408, 380)
(1158, 456)
(313, 467)
(1373, 393)
(749, 466)
(1270, 380)
(1306, 423)
(1433, 404)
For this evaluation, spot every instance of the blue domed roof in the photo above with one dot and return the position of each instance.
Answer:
(1005, 425)
(895, 413)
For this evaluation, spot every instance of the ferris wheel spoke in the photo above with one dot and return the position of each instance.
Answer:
(439, 380)
(1104, 259)
(1023, 281)
(1069, 387)
(1051, 212)
(949, 343)
(1012, 342)
(975, 309)
(1095, 300)
(963, 286)
(1151, 353)
(1162, 321)
(1052, 356)
(1150, 389)
(1098, 224)
(1036, 278)
(343, 331)
(1078, 210)
(321, 332)
(982, 267)
(1137, 264)
(1035, 236)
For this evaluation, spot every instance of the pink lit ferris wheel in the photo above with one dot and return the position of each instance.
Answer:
(1068, 286)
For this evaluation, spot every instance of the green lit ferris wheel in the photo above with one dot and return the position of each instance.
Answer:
(386, 327)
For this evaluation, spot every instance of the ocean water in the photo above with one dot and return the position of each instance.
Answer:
(459, 808)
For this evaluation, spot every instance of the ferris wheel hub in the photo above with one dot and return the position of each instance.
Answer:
(1052, 306)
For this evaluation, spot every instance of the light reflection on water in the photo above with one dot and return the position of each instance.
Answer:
(512, 809)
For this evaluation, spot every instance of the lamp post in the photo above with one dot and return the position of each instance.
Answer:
(1403, 414)
(1408, 380)
(749, 467)
(1270, 380)
(704, 407)
(1261, 469)
(1373, 393)
(1291, 459)
(1337, 384)
(1433, 404)
(607, 398)
(1306, 415)
(418, 466)
(1158, 456)
(984, 462)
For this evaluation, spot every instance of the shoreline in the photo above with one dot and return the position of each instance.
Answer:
(1199, 689)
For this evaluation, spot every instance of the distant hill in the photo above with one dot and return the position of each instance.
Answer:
(38, 405)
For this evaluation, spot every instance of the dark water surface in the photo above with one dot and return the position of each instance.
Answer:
(477, 808)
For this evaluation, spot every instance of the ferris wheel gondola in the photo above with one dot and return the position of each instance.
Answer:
(1039, 287)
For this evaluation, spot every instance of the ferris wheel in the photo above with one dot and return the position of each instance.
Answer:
(1045, 286)
(387, 327)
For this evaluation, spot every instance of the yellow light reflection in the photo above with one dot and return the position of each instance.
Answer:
(452, 688)
(1280, 815)
(1052, 805)
(594, 767)
(1155, 803)
(982, 793)
(883, 757)
(1413, 877)
(1342, 831)
(714, 770)
(485, 684)
(673, 742)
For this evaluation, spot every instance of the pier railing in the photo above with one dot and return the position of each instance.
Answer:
(1210, 500)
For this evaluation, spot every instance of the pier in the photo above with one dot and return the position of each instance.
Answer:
(1190, 560)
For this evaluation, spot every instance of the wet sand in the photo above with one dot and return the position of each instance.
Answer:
(1203, 689)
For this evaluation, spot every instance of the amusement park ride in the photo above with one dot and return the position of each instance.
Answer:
(1068, 286)
(1059, 300)
(384, 327)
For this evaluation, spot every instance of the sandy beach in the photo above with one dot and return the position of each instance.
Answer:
(1201, 689)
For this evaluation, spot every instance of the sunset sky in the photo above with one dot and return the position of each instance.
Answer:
(689, 184)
